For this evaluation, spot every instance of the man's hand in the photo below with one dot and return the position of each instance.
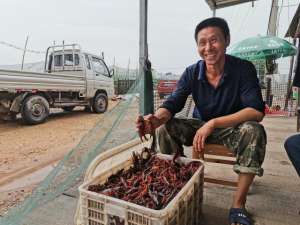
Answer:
(146, 125)
(201, 135)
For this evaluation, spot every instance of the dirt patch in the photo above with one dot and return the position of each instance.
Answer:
(9, 199)
(25, 149)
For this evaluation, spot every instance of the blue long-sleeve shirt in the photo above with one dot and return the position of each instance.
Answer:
(237, 89)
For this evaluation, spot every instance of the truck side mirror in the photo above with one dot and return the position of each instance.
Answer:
(111, 72)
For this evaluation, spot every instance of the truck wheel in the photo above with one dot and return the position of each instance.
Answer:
(35, 109)
(100, 103)
(68, 108)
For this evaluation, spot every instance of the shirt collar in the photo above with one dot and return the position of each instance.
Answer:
(202, 69)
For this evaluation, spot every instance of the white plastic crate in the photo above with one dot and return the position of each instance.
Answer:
(99, 209)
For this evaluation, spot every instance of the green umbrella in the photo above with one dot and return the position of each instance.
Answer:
(262, 47)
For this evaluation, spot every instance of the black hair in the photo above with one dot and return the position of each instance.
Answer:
(213, 22)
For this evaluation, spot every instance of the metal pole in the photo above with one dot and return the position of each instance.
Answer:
(142, 50)
(63, 55)
(23, 57)
(214, 12)
(298, 100)
(298, 111)
(146, 87)
(289, 84)
(268, 91)
(128, 70)
(272, 30)
(272, 26)
(73, 55)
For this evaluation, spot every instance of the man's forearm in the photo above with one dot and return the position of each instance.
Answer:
(163, 115)
(247, 114)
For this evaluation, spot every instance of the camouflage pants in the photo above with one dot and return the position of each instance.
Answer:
(247, 140)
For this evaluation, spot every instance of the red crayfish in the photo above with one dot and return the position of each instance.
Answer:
(151, 181)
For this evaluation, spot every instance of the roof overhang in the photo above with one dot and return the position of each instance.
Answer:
(217, 4)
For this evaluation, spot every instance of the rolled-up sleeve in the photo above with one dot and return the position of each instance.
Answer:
(176, 101)
(249, 89)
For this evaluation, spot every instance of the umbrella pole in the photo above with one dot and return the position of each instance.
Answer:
(268, 92)
(270, 66)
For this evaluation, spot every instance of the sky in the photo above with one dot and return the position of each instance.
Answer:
(112, 27)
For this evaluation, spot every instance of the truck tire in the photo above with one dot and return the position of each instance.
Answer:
(100, 103)
(68, 108)
(35, 109)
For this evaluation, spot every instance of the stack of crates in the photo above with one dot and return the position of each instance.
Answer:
(184, 209)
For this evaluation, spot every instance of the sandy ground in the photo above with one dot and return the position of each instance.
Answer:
(26, 149)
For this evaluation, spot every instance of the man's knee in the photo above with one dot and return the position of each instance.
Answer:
(174, 127)
(169, 128)
(292, 143)
(161, 131)
(251, 146)
(181, 131)
(166, 143)
(288, 145)
(253, 130)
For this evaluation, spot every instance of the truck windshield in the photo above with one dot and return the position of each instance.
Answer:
(99, 66)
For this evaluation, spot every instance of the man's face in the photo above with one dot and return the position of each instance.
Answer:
(211, 45)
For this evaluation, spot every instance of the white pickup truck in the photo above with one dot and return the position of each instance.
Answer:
(71, 78)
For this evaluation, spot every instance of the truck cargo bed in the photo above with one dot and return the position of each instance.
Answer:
(12, 80)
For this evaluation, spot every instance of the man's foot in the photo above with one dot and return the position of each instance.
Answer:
(239, 216)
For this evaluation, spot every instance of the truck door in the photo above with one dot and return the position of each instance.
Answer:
(103, 80)
(90, 81)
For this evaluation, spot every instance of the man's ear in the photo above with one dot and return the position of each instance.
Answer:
(227, 41)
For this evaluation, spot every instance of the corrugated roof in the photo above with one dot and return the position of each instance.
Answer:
(217, 4)
(294, 28)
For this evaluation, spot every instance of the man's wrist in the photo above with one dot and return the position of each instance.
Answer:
(213, 123)
(162, 115)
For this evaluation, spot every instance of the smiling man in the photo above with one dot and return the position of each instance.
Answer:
(228, 109)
